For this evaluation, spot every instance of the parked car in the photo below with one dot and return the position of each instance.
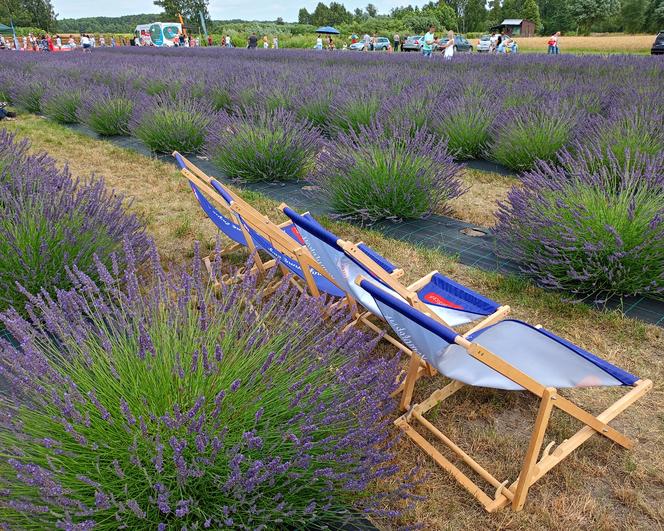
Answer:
(357, 46)
(413, 43)
(381, 43)
(461, 44)
(658, 45)
(484, 43)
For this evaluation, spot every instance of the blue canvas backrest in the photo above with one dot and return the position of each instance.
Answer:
(225, 225)
(323, 246)
(261, 242)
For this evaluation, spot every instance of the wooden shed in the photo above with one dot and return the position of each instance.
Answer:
(516, 27)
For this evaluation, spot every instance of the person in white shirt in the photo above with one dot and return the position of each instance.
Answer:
(228, 41)
(85, 43)
(93, 41)
(102, 41)
(449, 45)
(25, 43)
(275, 43)
(71, 42)
(319, 43)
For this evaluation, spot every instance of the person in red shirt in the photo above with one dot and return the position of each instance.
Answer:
(49, 41)
(209, 40)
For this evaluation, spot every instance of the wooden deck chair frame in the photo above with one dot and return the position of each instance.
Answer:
(204, 183)
(409, 293)
(533, 467)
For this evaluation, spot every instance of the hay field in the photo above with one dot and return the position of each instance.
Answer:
(602, 43)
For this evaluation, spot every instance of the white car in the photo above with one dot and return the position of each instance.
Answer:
(484, 43)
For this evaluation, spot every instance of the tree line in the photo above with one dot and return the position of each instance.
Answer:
(549, 16)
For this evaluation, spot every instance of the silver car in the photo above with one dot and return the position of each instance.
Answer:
(413, 43)
(484, 43)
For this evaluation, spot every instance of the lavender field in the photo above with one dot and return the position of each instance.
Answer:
(137, 394)
(385, 137)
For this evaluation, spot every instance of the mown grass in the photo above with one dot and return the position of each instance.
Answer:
(601, 486)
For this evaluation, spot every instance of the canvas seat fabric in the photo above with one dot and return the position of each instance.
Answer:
(545, 357)
(451, 301)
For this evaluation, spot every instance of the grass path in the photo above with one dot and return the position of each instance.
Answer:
(599, 487)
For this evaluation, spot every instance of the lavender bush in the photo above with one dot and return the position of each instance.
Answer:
(589, 229)
(49, 223)
(173, 407)
(522, 136)
(386, 174)
(628, 133)
(165, 124)
(60, 103)
(465, 122)
(106, 112)
(263, 146)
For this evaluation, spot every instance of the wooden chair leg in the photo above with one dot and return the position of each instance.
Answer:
(409, 385)
(534, 447)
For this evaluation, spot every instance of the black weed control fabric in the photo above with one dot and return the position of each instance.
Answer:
(471, 245)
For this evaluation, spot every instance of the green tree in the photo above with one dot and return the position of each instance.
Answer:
(304, 17)
(556, 16)
(511, 8)
(654, 16)
(475, 15)
(32, 13)
(321, 15)
(445, 15)
(530, 11)
(279, 21)
(189, 9)
(495, 15)
(371, 10)
(633, 15)
(586, 13)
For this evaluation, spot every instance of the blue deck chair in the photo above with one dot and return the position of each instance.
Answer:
(510, 355)
(282, 242)
(436, 295)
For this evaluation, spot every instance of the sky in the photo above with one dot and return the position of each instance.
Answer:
(219, 9)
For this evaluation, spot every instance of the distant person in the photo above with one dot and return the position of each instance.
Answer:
(553, 44)
(367, 42)
(374, 40)
(397, 40)
(85, 43)
(112, 42)
(330, 43)
(71, 42)
(181, 38)
(58, 42)
(227, 40)
(275, 43)
(493, 42)
(209, 40)
(448, 49)
(102, 41)
(429, 40)
(319, 43)
(266, 44)
(252, 42)
(93, 41)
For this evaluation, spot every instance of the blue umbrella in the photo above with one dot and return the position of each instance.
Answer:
(328, 30)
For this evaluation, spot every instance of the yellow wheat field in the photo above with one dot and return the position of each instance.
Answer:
(609, 43)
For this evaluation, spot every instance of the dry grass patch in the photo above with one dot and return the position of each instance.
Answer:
(479, 204)
(599, 487)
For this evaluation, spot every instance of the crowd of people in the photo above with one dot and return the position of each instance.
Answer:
(499, 42)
